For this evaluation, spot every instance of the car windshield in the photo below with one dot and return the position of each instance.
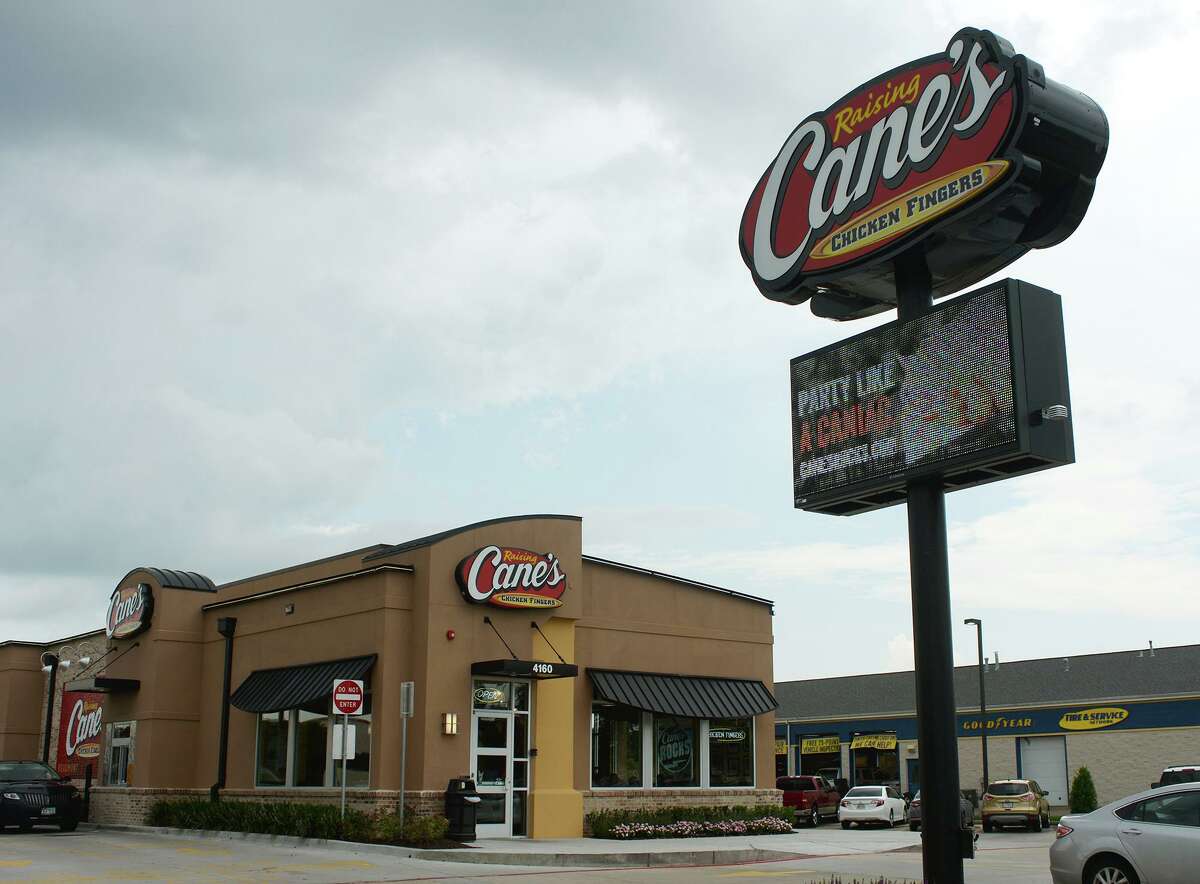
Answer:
(1008, 788)
(865, 792)
(24, 771)
(1174, 777)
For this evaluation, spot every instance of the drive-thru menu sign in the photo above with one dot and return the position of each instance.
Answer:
(347, 696)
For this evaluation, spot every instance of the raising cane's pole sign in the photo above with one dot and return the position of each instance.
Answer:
(129, 610)
(511, 578)
(79, 724)
(970, 156)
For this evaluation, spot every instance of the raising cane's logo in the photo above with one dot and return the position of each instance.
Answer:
(511, 578)
(919, 149)
(129, 611)
(80, 720)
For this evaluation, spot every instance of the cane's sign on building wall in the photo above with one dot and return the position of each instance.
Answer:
(79, 732)
(973, 144)
(129, 610)
(509, 577)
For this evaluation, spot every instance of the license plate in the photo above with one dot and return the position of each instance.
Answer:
(1008, 805)
(862, 804)
(49, 811)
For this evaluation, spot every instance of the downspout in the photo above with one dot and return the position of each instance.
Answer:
(225, 626)
(51, 661)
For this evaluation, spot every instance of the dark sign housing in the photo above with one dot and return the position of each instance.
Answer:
(957, 392)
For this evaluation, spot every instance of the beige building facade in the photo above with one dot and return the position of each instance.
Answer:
(561, 683)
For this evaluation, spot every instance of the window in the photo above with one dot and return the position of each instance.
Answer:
(120, 752)
(616, 745)
(633, 749)
(676, 747)
(730, 752)
(294, 747)
(1178, 809)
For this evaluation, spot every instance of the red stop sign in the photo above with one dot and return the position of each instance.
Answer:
(347, 696)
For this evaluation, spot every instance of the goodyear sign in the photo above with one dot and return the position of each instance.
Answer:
(1093, 719)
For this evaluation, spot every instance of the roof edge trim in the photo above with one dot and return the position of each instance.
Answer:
(254, 596)
(431, 539)
(696, 584)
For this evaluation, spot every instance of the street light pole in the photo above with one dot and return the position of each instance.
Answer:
(978, 624)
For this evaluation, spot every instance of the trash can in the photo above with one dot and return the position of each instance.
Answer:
(462, 801)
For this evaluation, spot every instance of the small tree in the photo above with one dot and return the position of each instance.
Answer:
(1083, 792)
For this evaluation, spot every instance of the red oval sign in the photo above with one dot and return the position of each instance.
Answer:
(129, 610)
(509, 577)
(920, 150)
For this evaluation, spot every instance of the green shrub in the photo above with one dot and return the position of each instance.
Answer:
(420, 830)
(265, 817)
(1083, 792)
(601, 822)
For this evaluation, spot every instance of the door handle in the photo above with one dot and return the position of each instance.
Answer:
(1131, 831)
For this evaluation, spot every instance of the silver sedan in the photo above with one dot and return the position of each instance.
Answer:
(1152, 837)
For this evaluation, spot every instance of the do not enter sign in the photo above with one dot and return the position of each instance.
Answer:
(347, 696)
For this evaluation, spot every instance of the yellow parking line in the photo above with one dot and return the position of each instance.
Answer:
(15, 863)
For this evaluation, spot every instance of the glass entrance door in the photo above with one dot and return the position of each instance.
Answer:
(500, 756)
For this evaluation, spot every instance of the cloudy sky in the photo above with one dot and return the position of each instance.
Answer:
(282, 280)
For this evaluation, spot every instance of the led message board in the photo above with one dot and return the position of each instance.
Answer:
(957, 391)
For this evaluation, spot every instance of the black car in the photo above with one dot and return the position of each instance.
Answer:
(33, 794)
(966, 812)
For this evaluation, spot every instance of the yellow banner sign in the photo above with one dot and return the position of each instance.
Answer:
(1093, 719)
(781, 747)
(819, 745)
(910, 209)
(874, 741)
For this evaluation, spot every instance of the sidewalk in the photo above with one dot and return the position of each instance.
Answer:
(594, 852)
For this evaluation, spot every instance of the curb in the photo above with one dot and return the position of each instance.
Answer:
(468, 855)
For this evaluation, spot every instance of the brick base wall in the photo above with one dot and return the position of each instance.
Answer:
(120, 805)
(650, 799)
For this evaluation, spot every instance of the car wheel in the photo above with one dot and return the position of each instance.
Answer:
(1110, 870)
(68, 825)
(814, 818)
(845, 825)
(1036, 825)
(912, 827)
(1046, 820)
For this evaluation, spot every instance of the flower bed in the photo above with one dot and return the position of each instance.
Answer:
(769, 825)
(687, 822)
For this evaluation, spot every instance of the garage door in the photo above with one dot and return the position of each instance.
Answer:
(1045, 759)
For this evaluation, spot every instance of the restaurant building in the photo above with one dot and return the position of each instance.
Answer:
(1124, 715)
(563, 683)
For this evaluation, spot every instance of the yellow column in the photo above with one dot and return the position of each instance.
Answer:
(557, 808)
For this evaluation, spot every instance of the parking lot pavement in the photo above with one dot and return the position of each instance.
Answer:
(1003, 858)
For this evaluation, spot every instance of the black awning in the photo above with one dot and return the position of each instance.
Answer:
(524, 669)
(103, 684)
(690, 696)
(273, 690)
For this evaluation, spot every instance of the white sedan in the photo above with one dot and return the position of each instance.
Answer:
(1152, 837)
(872, 804)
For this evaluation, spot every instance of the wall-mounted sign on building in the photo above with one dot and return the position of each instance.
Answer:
(511, 578)
(129, 610)
(1093, 719)
(973, 144)
(820, 745)
(79, 732)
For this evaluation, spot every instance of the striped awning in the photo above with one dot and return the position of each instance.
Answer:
(289, 687)
(689, 696)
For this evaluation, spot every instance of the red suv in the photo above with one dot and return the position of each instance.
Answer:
(811, 797)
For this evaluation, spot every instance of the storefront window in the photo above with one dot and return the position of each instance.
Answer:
(120, 753)
(358, 768)
(676, 751)
(731, 752)
(312, 748)
(271, 769)
(492, 695)
(616, 746)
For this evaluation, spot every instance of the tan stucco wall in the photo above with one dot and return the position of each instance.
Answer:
(22, 700)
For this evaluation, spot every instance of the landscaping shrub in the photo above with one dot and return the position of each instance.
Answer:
(298, 819)
(1083, 792)
(687, 822)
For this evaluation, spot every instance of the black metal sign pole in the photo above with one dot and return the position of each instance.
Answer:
(933, 644)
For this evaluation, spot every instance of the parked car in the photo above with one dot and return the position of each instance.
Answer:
(33, 794)
(966, 812)
(1178, 773)
(1015, 802)
(811, 798)
(1152, 837)
(872, 804)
